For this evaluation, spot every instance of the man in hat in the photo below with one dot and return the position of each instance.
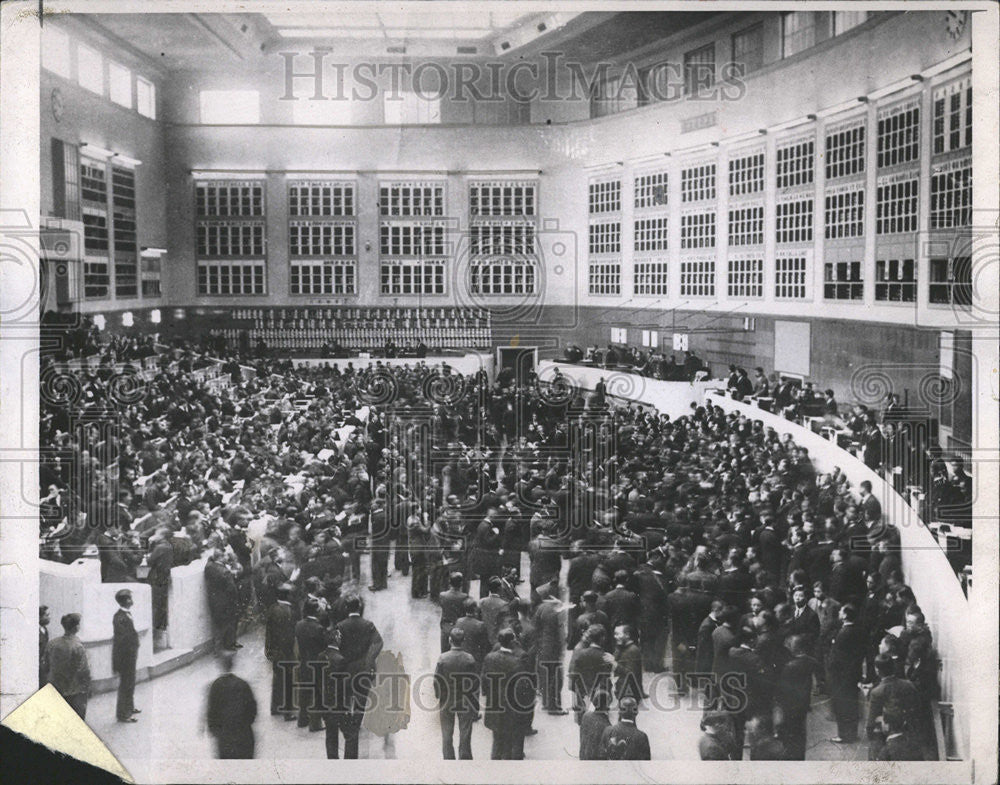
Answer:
(69, 669)
(124, 653)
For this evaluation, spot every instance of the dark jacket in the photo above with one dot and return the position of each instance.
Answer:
(279, 632)
(456, 681)
(232, 710)
(125, 643)
(360, 643)
(592, 727)
(624, 741)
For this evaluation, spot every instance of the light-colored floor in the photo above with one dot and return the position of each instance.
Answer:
(171, 725)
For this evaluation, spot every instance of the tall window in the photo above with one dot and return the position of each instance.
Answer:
(895, 280)
(699, 70)
(413, 247)
(145, 97)
(65, 180)
(794, 222)
(322, 225)
(96, 243)
(604, 242)
(951, 195)
(55, 51)
(845, 150)
(502, 241)
(126, 246)
(795, 164)
(605, 196)
(746, 174)
(698, 230)
(896, 208)
(798, 32)
(748, 48)
(230, 107)
(898, 134)
(120, 85)
(746, 225)
(90, 69)
(746, 278)
(604, 277)
(651, 190)
(230, 237)
(650, 277)
(953, 116)
(790, 277)
(845, 212)
(697, 278)
(698, 183)
(950, 281)
(651, 234)
(843, 281)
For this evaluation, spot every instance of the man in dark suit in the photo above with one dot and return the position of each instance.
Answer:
(232, 710)
(360, 643)
(893, 698)
(476, 640)
(589, 616)
(456, 686)
(310, 636)
(485, 559)
(704, 653)
(279, 648)
(590, 668)
(452, 606)
(735, 582)
(628, 665)
(161, 560)
(223, 601)
(653, 615)
(43, 645)
(124, 653)
(508, 693)
(793, 694)
(623, 740)
(724, 638)
(551, 629)
(844, 672)
(687, 610)
(336, 690)
(69, 668)
(747, 675)
(804, 620)
(621, 605)
(593, 723)
(381, 542)
(495, 611)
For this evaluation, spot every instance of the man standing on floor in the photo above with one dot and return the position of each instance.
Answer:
(452, 606)
(232, 710)
(843, 674)
(161, 561)
(593, 724)
(335, 687)
(124, 653)
(279, 648)
(43, 645)
(360, 643)
(623, 740)
(310, 636)
(456, 686)
(223, 601)
(69, 669)
(793, 695)
(509, 693)
(551, 644)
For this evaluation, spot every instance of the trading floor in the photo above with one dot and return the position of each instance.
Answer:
(171, 725)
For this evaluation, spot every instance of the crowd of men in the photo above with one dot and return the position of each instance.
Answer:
(708, 545)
